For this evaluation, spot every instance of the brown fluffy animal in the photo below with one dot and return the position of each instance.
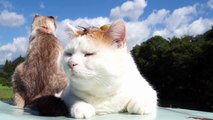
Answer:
(41, 74)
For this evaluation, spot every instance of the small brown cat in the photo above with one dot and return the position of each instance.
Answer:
(41, 74)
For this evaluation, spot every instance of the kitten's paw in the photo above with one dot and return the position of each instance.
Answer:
(18, 100)
(139, 106)
(82, 110)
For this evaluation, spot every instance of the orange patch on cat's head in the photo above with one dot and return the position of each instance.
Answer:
(107, 35)
(111, 35)
(99, 36)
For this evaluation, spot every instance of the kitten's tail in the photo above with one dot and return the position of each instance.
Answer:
(49, 106)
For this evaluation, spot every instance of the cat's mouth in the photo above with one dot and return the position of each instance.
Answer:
(73, 74)
(81, 73)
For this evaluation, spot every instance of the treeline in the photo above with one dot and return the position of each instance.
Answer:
(180, 69)
(7, 71)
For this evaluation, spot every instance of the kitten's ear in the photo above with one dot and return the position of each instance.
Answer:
(52, 17)
(36, 15)
(74, 32)
(117, 31)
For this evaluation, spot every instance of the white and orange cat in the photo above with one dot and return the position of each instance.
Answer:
(103, 77)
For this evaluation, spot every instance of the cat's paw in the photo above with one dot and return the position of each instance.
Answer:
(18, 100)
(82, 110)
(140, 106)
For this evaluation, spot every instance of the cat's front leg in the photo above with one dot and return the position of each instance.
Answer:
(142, 105)
(82, 109)
(19, 100)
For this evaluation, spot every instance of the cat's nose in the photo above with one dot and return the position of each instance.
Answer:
(72, 64)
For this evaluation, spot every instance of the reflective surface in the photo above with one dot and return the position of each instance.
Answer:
(10, 112)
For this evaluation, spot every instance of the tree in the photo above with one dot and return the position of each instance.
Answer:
(8, 70)
(17, 61)
(180, 69)
(8, 67)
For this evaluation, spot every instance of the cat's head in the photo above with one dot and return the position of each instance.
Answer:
(96, 52)
(44, 23)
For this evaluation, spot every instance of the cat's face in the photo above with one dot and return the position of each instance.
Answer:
(46, 23)
(95, 52)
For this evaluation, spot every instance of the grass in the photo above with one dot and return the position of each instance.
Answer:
(6, 93)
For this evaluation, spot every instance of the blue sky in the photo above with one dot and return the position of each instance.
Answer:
(144, 19)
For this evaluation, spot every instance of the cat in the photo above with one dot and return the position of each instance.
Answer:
(42, 73)
(103, 77)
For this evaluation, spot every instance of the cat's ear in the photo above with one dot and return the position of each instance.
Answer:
(74, 32)
(117, 32)
(52, 17)
(36, 15)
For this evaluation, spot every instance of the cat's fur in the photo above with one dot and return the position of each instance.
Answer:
(49, 106)
(41, 74)
(103, 75)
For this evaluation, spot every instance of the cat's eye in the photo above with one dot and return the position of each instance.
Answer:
(68, 54)
(88, 54)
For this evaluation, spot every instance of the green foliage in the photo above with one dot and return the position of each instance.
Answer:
(4, 81)
(6, 93)
(17, 61)
(8, 69)
(179, 68)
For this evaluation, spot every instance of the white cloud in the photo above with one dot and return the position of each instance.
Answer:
(199, 26)
(90, 21)
(61, 31)
(183, 21)
(210, 4)
(131, 10)
(171, 24)
(157, 17)
(140, 31)
(180, 17)
(13, 50)
(194, 28)
(42, 6)
(137, 32)
(11, 19)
